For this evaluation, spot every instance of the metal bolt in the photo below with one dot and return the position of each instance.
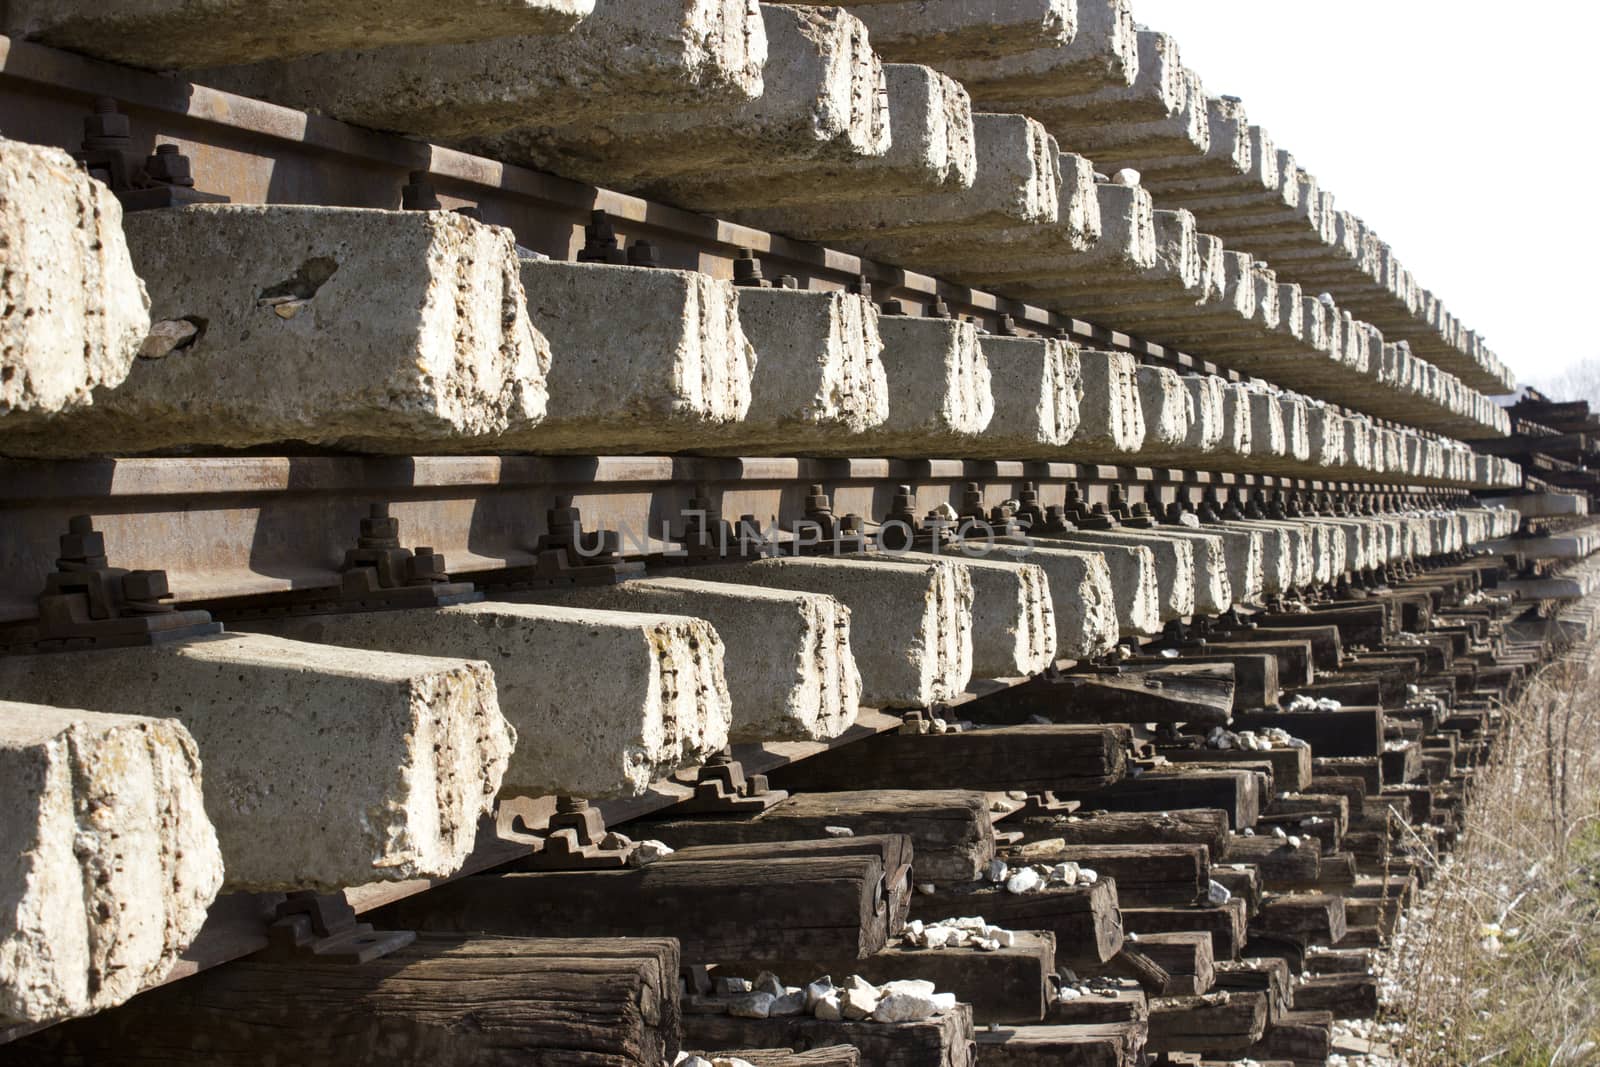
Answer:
(106, 128)
(170, 166)
(82, 542)
(643, 254)
(145, 585)
(600, 241)
(747, 270)
(418, 193)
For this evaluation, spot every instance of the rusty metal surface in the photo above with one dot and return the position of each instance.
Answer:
(244, 526)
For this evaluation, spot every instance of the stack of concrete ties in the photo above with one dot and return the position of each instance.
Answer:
(545, 371)
(1150, 272)
(1140, 108)
(1223, 305)
(911, 620)
(661, 57)
(1576, 582)
(1334, 250)
(821, 121)
(1575, 543)
(325, 767)
(1017, 183)
(386, 331)
(1277, 209)
(939, 31)
(175, 35)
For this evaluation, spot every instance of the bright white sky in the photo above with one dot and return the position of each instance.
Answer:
(1464, 132)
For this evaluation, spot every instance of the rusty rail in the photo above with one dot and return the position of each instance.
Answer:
(242, 526)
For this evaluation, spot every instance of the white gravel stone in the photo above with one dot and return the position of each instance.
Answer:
(905, 1002)
(1024, 881)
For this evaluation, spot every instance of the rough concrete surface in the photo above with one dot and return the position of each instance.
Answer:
(324, 767)
(1278, 547)
(1085, 598)
(1267, 433)
(923, 117)
(1177, 577)
(1134, 580)
(1016, 183)
(1013, 617)
(1237, 423)
(1111, 416)
(182, 34)
(1103, 52)
(1037, 385)
(940, 392)
(823, 104)
(629, 55)
(936, 31)
(1158, 91)
(643, 359)
(1168, 408)
(379, 330)
(910, 622)
(791, 673)
(819, 371)
(1208, 431)
(110, 859)
(603, 702)
(72, 310)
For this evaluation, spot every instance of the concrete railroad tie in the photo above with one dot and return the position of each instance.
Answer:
(111, 860)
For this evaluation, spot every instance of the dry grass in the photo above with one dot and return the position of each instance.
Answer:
(1499, 962)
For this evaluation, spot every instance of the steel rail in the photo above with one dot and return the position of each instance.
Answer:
(225, 527)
